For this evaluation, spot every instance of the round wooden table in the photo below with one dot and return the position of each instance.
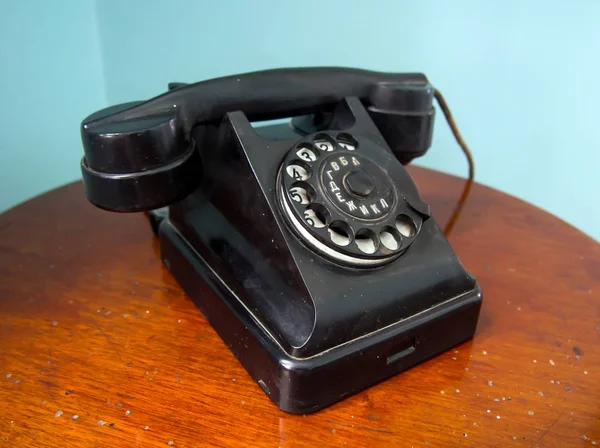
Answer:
(100, 347)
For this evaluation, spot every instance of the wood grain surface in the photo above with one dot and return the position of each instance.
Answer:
(100, 347)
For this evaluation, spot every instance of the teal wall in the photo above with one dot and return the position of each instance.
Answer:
(50, 77)
(520, 77)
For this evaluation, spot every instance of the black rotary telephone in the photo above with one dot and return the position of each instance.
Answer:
(305, 244)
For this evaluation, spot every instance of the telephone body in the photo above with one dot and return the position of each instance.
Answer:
(305, 244)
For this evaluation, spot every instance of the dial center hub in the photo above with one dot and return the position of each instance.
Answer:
(357, 186)
(359, 183)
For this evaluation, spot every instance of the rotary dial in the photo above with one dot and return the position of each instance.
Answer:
(337, 193)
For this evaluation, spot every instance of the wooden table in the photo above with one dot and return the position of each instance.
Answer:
(100, 347)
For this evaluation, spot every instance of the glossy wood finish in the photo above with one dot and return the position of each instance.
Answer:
(100, 347)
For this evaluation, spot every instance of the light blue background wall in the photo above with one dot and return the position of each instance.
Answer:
(50, 76)
(520, 77)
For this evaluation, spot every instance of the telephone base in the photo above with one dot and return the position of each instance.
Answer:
(302, 386)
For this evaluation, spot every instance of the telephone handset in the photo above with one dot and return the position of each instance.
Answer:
(140, 156)
(306, 245)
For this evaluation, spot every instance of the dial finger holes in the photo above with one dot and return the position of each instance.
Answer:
(298, 170)
(302, 193)
(406, 226)
(324, 142)
(366, 241)
(390, 238)
(340, 233)
(316, 216)
(346, 141)
(307, 152)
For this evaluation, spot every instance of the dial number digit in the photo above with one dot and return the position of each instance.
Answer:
(300, 195)
(306, 154)
(313, 219)
(297, 172)
(346, 141)
(324, 145)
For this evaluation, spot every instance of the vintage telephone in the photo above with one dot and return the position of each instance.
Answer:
(305, 244)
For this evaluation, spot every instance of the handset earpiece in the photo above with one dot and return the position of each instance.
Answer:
(404, 114)
(140, 156)
(138, 164)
